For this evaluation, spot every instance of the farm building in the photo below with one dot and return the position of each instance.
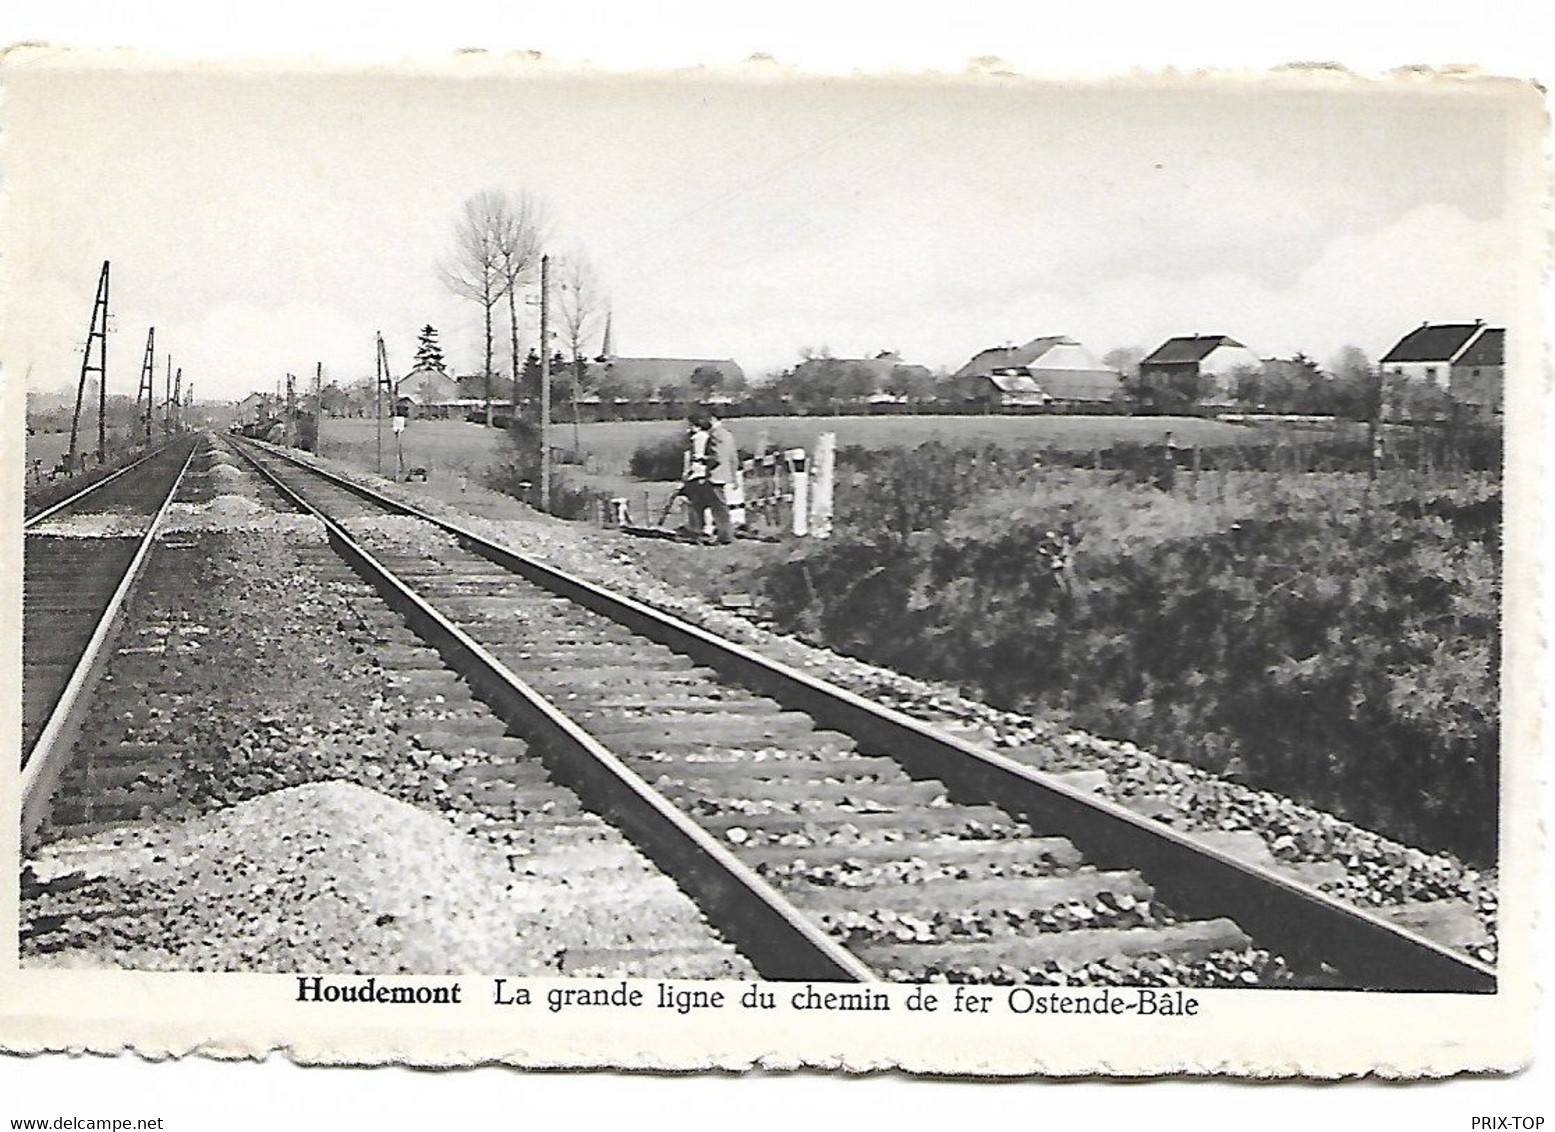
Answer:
(1429, 352)
(1060, 368)
(1004, 389)
(1479, 373)
(1214, 356)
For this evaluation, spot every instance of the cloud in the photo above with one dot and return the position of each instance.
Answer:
(1366, 288)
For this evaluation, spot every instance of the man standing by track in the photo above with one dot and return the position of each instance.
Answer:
(713, 460)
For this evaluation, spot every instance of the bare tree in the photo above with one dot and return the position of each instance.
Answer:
(579, 304)
(1124, 360)
(474, 270)
(520, 243)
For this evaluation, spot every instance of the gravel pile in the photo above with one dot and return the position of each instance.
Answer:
(304, 877)
(101, 524)
(230, 512)
(1370, 870)
(290, 881)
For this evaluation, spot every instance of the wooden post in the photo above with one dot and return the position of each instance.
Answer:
(379, 379)
(545, 384)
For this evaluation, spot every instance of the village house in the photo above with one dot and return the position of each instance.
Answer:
(1479, 373)
(1215, 357)
(1427, 353)
(1465, 360)
(1051, 368)
(432, 391)
(253, 409)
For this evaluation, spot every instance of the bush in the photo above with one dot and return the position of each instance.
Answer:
(1309, 635)
(660, 460)
(519, 476)
(568, 501)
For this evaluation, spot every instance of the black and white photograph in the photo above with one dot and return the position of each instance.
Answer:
(563, 552)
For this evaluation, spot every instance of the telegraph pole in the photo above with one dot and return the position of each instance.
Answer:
(379, 381)
(97, 331)
(102, 377)
(148, 384)
(167, 398)
(318, 407)
(545, 383)
(178, 400)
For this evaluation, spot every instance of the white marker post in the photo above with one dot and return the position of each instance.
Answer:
(734, 496)
(822, 479)
(801, 489)
(399, 444)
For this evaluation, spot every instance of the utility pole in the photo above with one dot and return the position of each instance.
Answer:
(380, 380)
(178, 400)
(148, 384)
(97, 331)
(167, 398)
(102, 377)
(545, 383)
(318, 406)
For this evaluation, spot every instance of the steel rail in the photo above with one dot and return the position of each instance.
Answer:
(85, 491)
(45, 761)
(1310, 929)
(779, 940)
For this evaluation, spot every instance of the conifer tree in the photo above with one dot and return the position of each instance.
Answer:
(429, 355)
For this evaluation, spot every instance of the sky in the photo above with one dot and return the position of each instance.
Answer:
(267, 222)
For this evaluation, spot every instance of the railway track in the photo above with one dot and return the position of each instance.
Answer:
(81, 559)
(826, 836)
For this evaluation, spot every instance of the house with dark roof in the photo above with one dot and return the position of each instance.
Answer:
(1060, 368)
(1217, 357)
(1429, 352)
(1478, 376)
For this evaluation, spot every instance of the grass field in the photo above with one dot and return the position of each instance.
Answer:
(447, 449)
(612, 443)
(49, 448)
(459, 448)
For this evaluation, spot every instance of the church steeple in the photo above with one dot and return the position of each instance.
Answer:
(607, 347)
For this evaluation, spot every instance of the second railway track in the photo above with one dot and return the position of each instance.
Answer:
(81, 558)
(828, 837)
